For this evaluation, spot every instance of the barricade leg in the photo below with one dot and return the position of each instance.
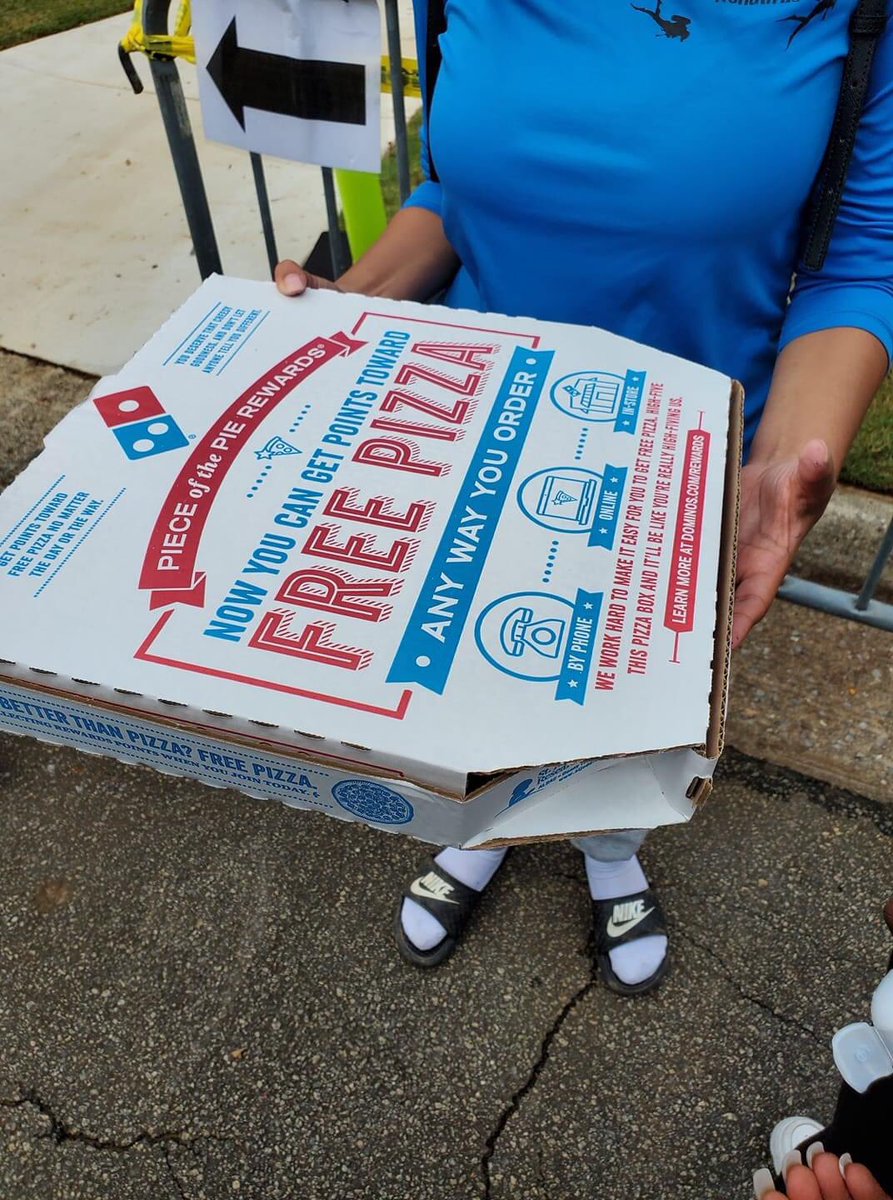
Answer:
(263, 203)
(395, 54)
(885, 551)
(178, 128)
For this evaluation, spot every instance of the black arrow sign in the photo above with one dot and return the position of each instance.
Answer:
(312, 88)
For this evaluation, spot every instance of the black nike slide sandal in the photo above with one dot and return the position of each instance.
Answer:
(626, 919)
(449, 900)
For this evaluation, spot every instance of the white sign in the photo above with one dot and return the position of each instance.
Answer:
(299, 79)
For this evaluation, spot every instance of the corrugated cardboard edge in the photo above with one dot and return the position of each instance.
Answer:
(725, 592)
(181, 719)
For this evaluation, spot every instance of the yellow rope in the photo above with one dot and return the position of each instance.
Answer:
(178, 44)
(410, 69)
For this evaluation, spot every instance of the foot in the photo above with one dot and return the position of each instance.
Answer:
(636, 963)
(446, 891)
(788, 1135)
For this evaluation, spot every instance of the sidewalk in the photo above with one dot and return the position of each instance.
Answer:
(200, 998)
(93, 240)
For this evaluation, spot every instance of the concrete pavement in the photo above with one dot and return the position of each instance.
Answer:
(199, 997)
(94, 249)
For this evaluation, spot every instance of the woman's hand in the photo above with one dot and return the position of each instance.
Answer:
(412, 260)
(292, 279)
(780, 502)
(822, 1180)
(822, 386)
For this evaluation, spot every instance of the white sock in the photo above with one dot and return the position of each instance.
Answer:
(639, 959)
(475, 868)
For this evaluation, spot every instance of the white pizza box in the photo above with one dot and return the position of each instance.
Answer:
(462, 576)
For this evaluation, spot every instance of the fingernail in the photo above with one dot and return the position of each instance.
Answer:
(294, 283)
(812, 1151)
(763, 1183)
(791, 1159)
(846, 1160)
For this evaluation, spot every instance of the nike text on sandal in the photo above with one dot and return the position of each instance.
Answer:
(447, 899)
(625, 919)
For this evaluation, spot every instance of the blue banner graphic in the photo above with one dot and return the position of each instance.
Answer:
(630, 402)
(428, 647)
(609, 507)
(579, 647)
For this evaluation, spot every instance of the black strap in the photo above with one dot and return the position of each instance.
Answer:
(867, 25)
(445, 897)
(436, 18)
(626, 919)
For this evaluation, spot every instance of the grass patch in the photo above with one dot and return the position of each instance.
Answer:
(389, 185)
(20, 22)
(870, 462)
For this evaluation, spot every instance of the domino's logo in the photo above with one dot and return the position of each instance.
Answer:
(141, 426)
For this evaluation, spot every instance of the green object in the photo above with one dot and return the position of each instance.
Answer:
(38, 18)
(363, 208)
(870, 462)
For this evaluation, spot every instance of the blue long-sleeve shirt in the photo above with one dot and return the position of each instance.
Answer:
(644, 169)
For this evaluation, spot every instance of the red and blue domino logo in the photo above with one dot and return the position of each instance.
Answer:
(140, 424)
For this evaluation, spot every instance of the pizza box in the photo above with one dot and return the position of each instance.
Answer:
(462, 576)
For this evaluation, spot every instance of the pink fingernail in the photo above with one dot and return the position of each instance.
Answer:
(294, 283)
(846, 1160)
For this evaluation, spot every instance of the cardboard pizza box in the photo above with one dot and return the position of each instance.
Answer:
(462, 576)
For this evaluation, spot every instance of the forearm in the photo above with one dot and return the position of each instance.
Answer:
(822, 387)
(412, 260)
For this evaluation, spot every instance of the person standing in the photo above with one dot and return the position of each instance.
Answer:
(648, 172)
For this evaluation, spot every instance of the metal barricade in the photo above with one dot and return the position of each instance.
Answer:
(149, 34)
(860, 607)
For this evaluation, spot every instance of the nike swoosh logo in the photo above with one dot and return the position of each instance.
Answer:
(418, 889)
(617, 930)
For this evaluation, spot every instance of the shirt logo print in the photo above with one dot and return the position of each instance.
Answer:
(676, 27)
(821, 8)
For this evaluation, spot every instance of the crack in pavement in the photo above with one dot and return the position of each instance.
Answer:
(172, 1170)
(60, 1131)
(533, 1075)
(785, 1018)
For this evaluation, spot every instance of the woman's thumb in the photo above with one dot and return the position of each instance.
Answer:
(291, 279)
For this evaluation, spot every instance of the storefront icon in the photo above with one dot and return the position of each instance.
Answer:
(589, 395)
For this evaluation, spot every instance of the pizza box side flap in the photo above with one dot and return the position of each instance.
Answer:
(109, 701)
(640, 792)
